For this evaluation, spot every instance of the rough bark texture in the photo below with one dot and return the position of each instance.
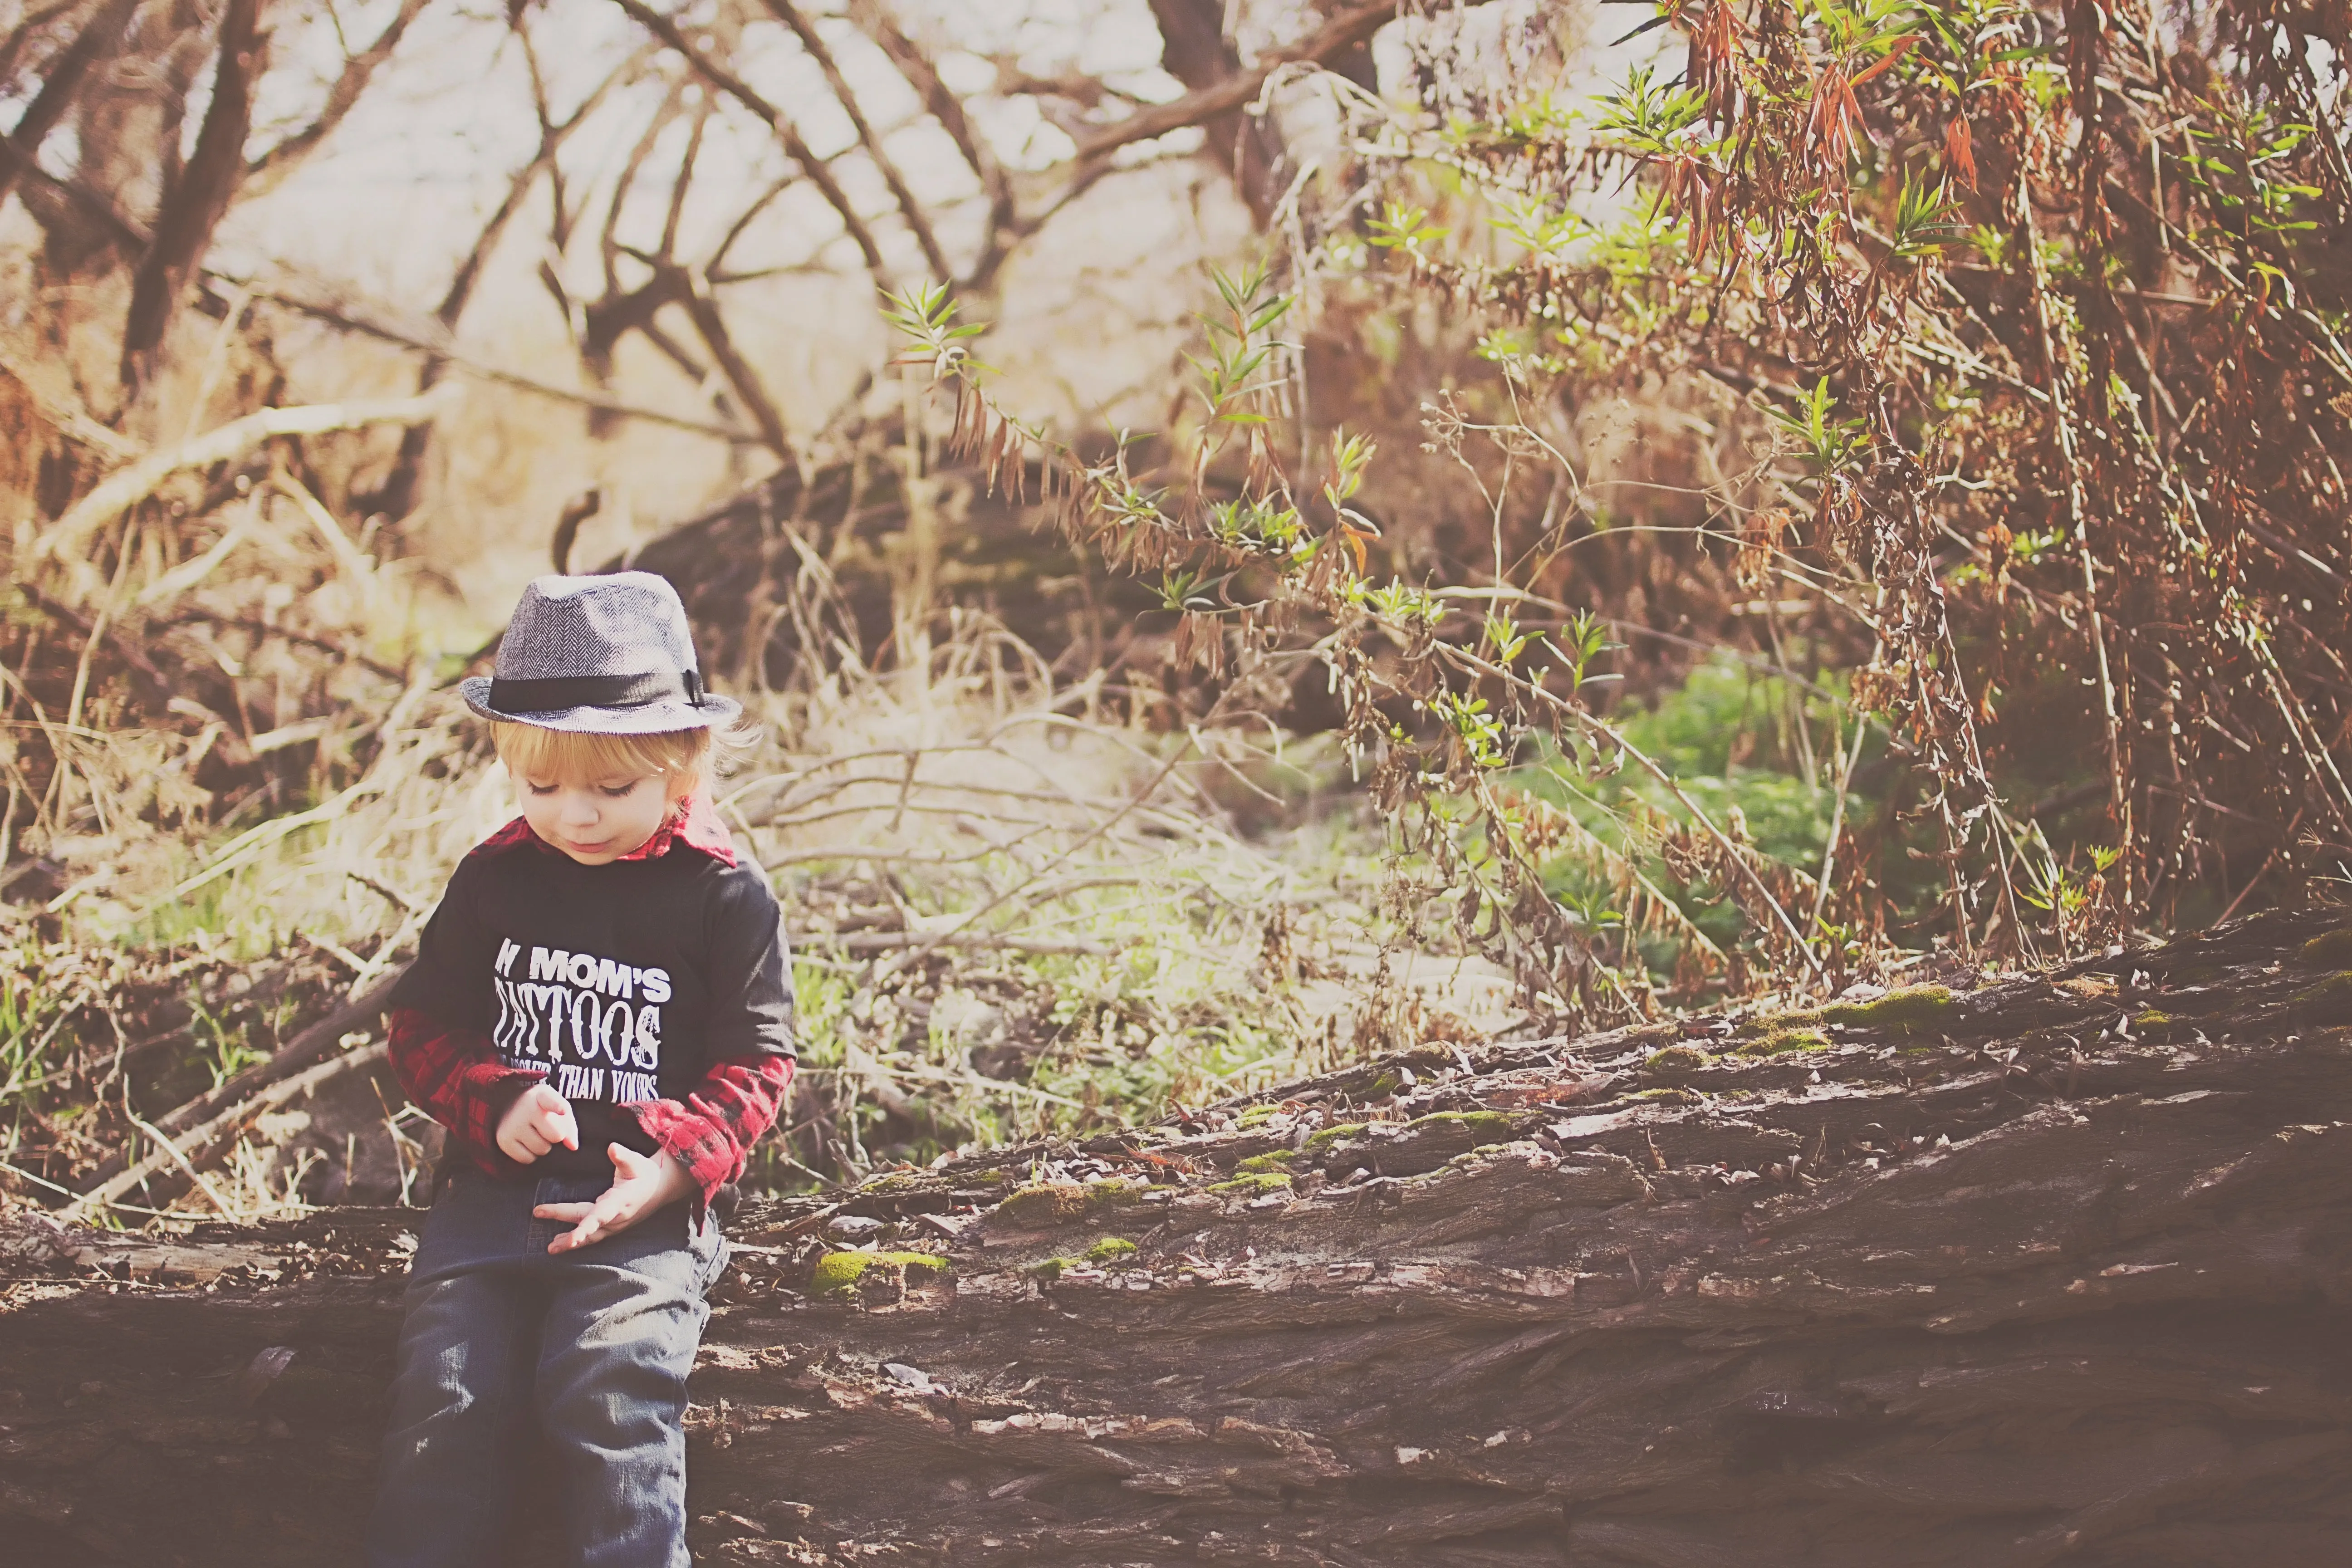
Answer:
(196, 201)
(2051, 1270)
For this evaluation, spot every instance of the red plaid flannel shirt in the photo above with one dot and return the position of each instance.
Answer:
(456, 1076)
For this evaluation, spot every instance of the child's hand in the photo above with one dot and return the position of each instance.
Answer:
(641, 1184)
(537, 1121)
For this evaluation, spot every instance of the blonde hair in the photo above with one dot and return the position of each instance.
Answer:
(680, 756)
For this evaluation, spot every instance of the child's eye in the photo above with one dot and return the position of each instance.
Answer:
(538, 789)
(617, 792)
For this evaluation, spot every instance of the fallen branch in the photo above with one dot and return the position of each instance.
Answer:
(204, 1146)
(113, 1179)
(68, 539)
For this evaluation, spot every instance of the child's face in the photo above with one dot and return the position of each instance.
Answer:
(596, 820)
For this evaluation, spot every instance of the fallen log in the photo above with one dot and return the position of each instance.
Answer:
(2037, 1270)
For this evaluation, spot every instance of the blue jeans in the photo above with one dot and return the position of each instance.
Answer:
(503, 1345)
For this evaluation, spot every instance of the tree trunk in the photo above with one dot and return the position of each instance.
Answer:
(194, 205)
(2051, 1269)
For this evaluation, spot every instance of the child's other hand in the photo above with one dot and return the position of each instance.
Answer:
(641, 1184)
(537, 1121)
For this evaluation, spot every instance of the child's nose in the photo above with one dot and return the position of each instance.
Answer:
(579, 808)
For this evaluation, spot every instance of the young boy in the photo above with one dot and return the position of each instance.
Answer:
(601, 1015)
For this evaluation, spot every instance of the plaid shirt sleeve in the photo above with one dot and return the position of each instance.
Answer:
(452, 1073)
(710, 1131)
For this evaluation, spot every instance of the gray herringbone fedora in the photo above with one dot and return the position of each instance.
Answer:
(610, 654)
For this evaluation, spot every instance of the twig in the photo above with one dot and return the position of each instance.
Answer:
(947, 108)
(288, 634)
(22, 1175)
(916, 953)
(385, 890)
(265, 171)
(181, 1160)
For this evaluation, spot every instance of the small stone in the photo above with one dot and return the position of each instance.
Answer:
(913, 1377)
(853, 1227)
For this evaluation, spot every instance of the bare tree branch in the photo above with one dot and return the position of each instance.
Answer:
(265, 171)
(121, 230)
(63, 79)
(29, 28)
(946, 108)
(685, 181)
(195, 202)
(1342, 32)
(397, 496)
(609, 248)
(387, 326)
(789, 14)
(712, 326)
(735, 231)
(1196, 48)
(796, 149)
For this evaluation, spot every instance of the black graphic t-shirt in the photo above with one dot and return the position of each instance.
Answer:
(620, 983)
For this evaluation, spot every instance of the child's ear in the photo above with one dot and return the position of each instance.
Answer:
(682, 782)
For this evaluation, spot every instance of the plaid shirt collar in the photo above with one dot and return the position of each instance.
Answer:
(694, 822)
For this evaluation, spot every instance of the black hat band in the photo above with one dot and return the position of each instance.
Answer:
(563, 691)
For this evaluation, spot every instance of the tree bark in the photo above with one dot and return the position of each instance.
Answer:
(193, 204)
(60, 83)
(2052, 1269)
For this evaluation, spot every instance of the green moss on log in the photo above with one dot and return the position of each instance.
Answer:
(1324, 1137)
(1060, 1202)
(1786, 1039)
(1907, 1010)
(1256, 1183)
(1273, 1160)
(1912, 1010)
(1675, 1061)
(1110, 1250)
(2328, 950)
(2328, 1001)
(843, 1271)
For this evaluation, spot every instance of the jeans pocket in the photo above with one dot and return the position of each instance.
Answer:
(709, 1247)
